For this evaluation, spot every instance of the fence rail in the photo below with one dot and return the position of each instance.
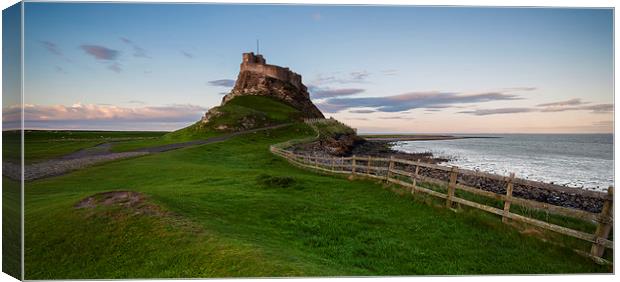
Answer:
(409, 174)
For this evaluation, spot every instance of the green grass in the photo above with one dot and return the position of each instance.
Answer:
(265, 111)
(237, 210)
(274, 109)
(331, 128)
(11, 228)
(40, 145)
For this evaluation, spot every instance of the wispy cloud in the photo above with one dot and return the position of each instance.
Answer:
(413, 100)
(125, 40)
(321, 93)
(223, 82)
(59, 69)
(359, 75)
(486, 112)
(597, 108)
(518, 89)
(115, 67)
(389, 72)
(51, 47)
(362, 111)
(561, 106)
(138, 51)
(397, 117)
(570, 102)
(100, 112)
(100, 52)
(187, 54)
(338, 78)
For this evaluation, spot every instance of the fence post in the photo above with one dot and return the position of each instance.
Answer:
(333, 163)
(604, 226)
(390, 168)
(451, 186)
(414, 178)
(316, 162)
(508, 200)
(368, 165)
(353, 165)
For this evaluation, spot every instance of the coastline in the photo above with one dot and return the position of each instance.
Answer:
(418, 137)
(383, 148)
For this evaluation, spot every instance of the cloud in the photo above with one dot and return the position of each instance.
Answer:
(570, 102)
(519, 89)
(136, 102)
(397, 117)
(359, 75)
(486, 112)
(320, 93)
(413, 100)
(96, 112)
(51, 47)
(115, 67)
(389, 72)
(362, 111)
(222, 82)
(187, 54)
(352, 77)
(598, 108)
(138, 51)
(100, 52)
(59, 69)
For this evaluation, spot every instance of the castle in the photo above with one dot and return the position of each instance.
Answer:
(256, 77)
(257, 63)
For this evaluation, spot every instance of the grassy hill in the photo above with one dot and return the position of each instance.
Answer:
(234, 209)
(260, 110)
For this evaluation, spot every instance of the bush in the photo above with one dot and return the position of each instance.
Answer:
(275, 181)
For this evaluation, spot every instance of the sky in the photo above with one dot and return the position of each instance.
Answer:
(377, 68)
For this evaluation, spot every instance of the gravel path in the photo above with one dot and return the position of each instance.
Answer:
(102, 153)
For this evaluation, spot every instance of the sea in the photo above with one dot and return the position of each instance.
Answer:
(574, 160)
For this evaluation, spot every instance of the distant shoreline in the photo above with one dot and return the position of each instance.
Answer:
(418, 137)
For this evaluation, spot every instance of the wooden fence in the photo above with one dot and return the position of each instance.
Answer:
(409, 174)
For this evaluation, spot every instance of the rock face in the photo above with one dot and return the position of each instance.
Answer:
(256, 77)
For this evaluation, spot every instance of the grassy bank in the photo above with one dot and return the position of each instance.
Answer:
(41, 145)
(233, 209)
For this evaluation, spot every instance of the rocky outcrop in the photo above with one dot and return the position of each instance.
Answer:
(256, 77)
(337, 145)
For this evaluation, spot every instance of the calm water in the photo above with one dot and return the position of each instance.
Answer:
(576, 160)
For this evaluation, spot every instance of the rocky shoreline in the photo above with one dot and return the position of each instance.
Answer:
(384, 149)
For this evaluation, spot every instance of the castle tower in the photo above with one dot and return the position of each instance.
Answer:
(256, 77)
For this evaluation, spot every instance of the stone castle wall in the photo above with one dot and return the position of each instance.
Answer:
(256, 63)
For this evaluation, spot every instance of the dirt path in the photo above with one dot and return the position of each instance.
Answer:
(102, 153)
